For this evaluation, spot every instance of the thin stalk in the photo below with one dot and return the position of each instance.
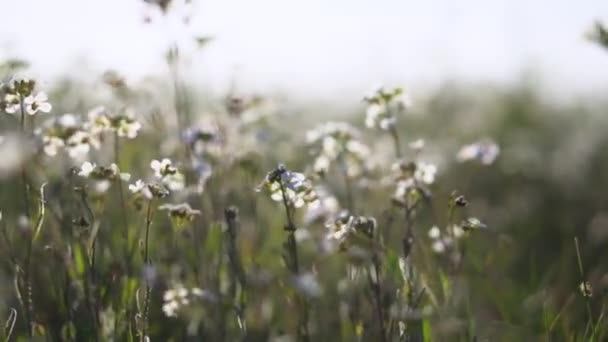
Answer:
(26, 200)
(377, 291)
(236, 268)
(396, 142)
(147, 263)
(125, 221)
(292, 249)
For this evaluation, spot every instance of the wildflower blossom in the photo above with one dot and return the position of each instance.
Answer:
(484, 151)
(34, 104)
(337, 142)
(412, 180)
(168, 174)
(285, 185)
(101, 175)
(586, 289)
(383, 106)
(100, 120)
(324, 207)
(148, 190)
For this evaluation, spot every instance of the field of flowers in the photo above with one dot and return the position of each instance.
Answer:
(153, 211)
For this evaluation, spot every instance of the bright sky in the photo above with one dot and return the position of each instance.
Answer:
(320, 47)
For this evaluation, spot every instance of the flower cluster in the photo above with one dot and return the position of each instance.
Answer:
(19, 95)
(338, 142)
(148, 191)
(351, 232)
(383, 106)
(291, 187)
(100, 120)
(178, 298)
(168, 174)
(412, 181)
(67, 132)
(485, 152)
(103, 176)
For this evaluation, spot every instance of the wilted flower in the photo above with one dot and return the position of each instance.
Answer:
(34, 104)
(484, 151)
(290, 186)
(383, 106)
(180, 213)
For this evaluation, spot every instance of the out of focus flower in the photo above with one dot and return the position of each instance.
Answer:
(325, 206)
(338, 143)
(180, 213)
(484, 151)
(204, 139)
(412, 180)
(168, 174)
(472, 223)
(148, 190)
(66, 132)
(352, 233)
(15, 152)
(11, 103)
(383, 106)
(38, 103)
(102, 176)
(417, 145)
(290, 186)
(179, 298)
(124, 124)
(586, 289)
(308, 285)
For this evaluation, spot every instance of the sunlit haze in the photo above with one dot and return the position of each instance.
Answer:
(318, 48)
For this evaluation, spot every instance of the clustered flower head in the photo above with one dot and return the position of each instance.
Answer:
(168, 174)
(181, 213)
(289, 186)
(66, 132)
(21, 93)
(147, 191)
(102, 175)
(350, 232)
(338, 142)
(383, 106)
(412, 181)
(485, 152)
(179, 298)
(100, 120)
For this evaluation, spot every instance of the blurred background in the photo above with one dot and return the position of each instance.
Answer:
(521, 73)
